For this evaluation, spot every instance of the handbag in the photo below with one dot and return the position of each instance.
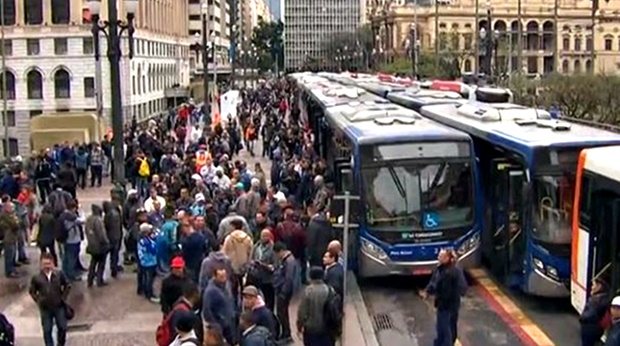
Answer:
(69, 311)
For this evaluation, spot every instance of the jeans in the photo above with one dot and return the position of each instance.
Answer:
(44, 188)
(69, 260)
(282, 304)
(146, 278)
(114, 254)
(96, 268)
(446, 327)
(48, 318)
(81, 177)
(10, 251)
(142, 185)
(96, 173)
(318, 339)
(21, 245)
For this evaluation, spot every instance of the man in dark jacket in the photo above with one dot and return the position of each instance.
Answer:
(262, 316)
(189, 301)
(49, 289)
(448, 284)
(319, 233)
(594, 311)
(113, 222)
(253, 334)
(311, 320)
(172, 286)
(286, 280)
(9, 230)
(291, 233)
(334, 272)
(98, 245)
(218, 305)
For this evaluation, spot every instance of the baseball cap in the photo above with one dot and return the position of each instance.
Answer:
(250, 291)
(616, 302)
(177, 263)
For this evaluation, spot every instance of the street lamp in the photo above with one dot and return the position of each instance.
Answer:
(489, 40)
(414, 45)
(201, 47)
(113, 29)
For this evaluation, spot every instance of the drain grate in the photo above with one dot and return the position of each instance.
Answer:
(79, 327)
(382, 322)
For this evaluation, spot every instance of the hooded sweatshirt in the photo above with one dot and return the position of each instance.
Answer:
(215, 260)
(238, 247)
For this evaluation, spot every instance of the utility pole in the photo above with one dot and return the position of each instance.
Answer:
(346, 226)
(437, 35)
(415, 39)
(519, 38)
(477, 41)
(5, 105)
(595, 6)
(234, 11)
(555, 36)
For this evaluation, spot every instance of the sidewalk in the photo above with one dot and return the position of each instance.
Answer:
(357, 326)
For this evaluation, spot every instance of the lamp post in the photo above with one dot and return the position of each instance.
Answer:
(489, 40)
(204, 46)
(113, 29)
(414, 45)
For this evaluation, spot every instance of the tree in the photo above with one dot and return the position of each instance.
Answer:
(349, 50)
(267, 38)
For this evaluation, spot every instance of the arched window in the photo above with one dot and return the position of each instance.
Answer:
(565, 66)
(35, 85)
(10, 85)
(62, 84)
(467, 65)
(9, 12)
(577, 66)
(61, 11)
(33, 12)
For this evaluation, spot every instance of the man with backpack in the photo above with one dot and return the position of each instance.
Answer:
(319, 317)
(167, 331)
(143, 175)
(253, 334)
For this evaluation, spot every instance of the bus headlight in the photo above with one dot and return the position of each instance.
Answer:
(538, 264)
(468, 245)
(373, 250)
(552, 272)
(548, 270)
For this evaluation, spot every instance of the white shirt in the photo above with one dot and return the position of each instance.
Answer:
(180, 341)
(148, 204)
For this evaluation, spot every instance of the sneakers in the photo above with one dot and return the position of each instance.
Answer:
(154, 300)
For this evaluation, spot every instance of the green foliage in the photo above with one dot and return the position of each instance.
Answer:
(348, 50)
(267, 37)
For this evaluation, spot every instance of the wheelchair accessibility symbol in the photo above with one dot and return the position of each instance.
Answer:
(431, 220)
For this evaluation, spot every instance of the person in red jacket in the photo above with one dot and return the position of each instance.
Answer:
(292, 234)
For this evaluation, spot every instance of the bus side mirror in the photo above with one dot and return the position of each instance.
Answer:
(337, 211)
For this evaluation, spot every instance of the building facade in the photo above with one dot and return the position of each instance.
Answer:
(50, 65)
(218, 24)
(557, 35)
(311, 24)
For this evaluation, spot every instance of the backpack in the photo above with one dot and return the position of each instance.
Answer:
(7, 332)
(332, 313)
(163, 335)
(193, 341)
(144, 170)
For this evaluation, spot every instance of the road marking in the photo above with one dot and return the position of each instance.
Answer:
(525, 329)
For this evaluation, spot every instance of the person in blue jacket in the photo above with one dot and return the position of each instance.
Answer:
(147, 260)
(217, 305)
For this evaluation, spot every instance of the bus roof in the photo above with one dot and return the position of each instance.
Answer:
(423, 97)
(597, 160)
(369, 119)
(509, 124)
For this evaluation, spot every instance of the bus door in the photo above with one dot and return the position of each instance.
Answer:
(604, 255)
(344, 181)
(505, 211)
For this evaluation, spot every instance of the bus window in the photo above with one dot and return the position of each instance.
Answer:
(585, 202)
(553, 200)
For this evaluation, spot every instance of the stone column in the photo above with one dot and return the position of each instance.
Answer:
(19, 12)
(47, 11)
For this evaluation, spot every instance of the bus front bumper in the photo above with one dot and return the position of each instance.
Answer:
(539, 284)
(371, 266)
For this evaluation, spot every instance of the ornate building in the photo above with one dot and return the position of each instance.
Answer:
(556, 34)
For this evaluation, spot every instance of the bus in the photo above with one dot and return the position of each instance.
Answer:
(527, 161)
(596, 223)
(416, 179)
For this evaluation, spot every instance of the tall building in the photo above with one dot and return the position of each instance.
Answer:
(311, 24)
(260, 11)
(557, 35)
(218, 24)
(51, 71)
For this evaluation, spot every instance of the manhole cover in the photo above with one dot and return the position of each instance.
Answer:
(382, 322)
(79, 327)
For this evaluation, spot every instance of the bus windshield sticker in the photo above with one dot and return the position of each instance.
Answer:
(431, 220)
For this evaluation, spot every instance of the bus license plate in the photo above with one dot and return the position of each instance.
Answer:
(422, 271)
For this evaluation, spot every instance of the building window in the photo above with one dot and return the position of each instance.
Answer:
(608, 43)
(565, 66)
(33, 47)
(467, 41)
(566, 43)
(89, 87)
(35, 113)
(13, 147)
(589, 45)
(577, 44)
(10, 85)
(8, 47)
(577, 66)
(10, 118)
(9, 12)
(61, 11)
(62, 84)
(60, 46)
(88, 45)
(35, 85)
(33, 12)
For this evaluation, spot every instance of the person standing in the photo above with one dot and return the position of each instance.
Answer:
(286, 280)
(113, 222)
(98, 246)
(172, 286)
(147, 259)
(334, 272)
(218, 305)
(312, 323)
(448, 285)
(96, 165)
(252, 333)
(50, 289)
(594, 312)
(9, 229)
(71, 237)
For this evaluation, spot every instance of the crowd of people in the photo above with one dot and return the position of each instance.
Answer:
(232, 243)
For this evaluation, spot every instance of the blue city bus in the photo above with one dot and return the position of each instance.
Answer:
(527, 161)
(416, 179)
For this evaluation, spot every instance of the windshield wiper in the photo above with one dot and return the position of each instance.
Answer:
(436, 179)
(397, 182)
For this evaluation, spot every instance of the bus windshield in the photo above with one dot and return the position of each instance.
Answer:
(553, 196)
(399, 194)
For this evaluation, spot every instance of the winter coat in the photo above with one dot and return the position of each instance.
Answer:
(113, 222)
(238, 247)
(98, 243)
(319, 233)
(215, 260)
(256, 336)
(262, 257)
(147, 252)
(225, 227)
(47, 228)
(217, 305)
(287, 277)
